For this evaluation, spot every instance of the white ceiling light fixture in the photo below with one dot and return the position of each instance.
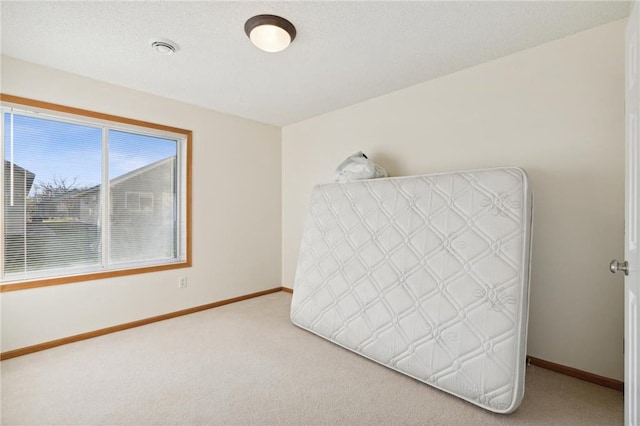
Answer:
(163, 46)
(270, 33)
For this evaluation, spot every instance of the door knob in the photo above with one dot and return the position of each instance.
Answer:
(616, 266)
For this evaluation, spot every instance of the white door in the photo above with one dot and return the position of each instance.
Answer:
(631, 265)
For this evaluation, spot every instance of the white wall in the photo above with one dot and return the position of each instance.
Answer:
(558, 111)
(236, 191)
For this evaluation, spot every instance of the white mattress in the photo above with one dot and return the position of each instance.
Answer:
(427, 275)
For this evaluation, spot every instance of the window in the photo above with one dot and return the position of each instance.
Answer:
(87, 195)
(139, 201)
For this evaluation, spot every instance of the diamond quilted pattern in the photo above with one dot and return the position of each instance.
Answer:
(427, 275)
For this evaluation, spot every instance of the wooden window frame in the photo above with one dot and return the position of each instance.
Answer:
(187, 134)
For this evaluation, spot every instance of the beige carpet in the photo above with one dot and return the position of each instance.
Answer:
(246, 364)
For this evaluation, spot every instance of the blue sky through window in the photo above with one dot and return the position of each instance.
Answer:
(60, 150)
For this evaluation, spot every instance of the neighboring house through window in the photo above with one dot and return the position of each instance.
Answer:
(86, 195)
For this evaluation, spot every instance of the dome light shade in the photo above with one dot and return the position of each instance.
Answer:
(269, 32)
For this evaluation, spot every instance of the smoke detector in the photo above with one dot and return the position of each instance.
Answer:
(163, 46)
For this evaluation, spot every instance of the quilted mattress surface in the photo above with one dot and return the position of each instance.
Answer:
(427, 275)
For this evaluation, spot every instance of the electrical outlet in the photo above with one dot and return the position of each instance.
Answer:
(182, 282)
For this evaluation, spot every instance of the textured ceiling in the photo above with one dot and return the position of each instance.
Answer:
(344, 52)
